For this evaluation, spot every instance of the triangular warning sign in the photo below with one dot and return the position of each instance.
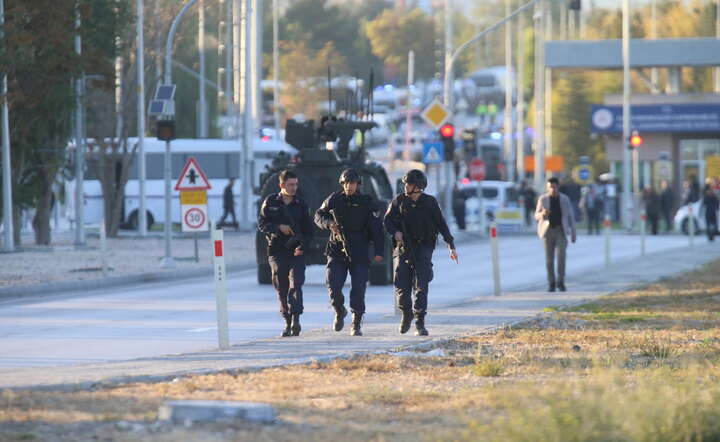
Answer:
(192, 177)
(432, 155)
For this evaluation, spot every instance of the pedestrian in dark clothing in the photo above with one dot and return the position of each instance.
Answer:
(667, 202)
(350, 216)
(573, 190)
(529, 195)
(692, 190)
(228, 204)
(711, 205)
(285, 220)
(414, 219)
(458, 207)
(652, 209)
(592, 203)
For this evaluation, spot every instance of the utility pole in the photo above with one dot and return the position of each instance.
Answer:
(276, 70)
(8, 239)
(627, 183)
(539, 140)
(520, 107)
(448, 99)
(202, 111)
(256, 65)
(508, 122)
(142, 167)
(247, 149)
(653, 35)
(79, 143)
(168, 262)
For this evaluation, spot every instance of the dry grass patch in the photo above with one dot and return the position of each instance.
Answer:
(641, 365)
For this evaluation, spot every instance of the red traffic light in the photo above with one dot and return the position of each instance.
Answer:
(635, 139)
(447, 131)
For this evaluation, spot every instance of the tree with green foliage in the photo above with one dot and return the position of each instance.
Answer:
(395, 32)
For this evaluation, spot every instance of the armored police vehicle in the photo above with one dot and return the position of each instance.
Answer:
(323, 153)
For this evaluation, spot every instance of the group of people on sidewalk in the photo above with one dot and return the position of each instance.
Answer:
(413, 220)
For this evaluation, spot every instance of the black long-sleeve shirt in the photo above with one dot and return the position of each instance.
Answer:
(272, 215)
(365, 221)
(423, 219)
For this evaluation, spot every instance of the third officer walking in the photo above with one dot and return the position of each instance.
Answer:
(414, 220)
(350, 216)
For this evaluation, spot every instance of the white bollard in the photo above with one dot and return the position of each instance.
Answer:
(495, 257)
(691, 226)
(606, 228)
(643, 220)
(220, 289)
(103, 248)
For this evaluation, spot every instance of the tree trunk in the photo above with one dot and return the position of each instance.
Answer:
(41, 221)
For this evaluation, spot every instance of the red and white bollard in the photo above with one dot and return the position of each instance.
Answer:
(495, 257)
(606, 229)
(216, 236)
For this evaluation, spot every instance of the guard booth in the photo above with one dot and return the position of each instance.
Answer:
(680, 132)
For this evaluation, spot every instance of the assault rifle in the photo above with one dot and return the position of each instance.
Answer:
(296, 238)
(406, 245)
(341, 235)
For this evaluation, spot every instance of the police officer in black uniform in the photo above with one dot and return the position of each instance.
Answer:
(351, 215)
(414, 219)
(285, 220)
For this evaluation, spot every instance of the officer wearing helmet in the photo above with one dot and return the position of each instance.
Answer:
(414, 219)
(350, 217)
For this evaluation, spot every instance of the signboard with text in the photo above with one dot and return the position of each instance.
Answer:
(699, 117)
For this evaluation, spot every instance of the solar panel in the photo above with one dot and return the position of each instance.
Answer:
(165, 92)
(156, 107)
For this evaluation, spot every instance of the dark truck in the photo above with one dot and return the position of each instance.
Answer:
(318, 169)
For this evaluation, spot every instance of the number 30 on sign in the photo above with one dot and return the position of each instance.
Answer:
(194, 218)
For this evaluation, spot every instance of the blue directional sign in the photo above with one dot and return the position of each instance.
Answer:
(433, 152)
(698, 117)
(584, 173)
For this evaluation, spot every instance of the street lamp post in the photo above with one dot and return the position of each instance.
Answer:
(168, 261)
(79, 144)
(626, 191)
(539, 97)
(8, 240)
(142, 212)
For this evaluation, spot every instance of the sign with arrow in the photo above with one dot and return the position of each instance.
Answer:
(192, 177)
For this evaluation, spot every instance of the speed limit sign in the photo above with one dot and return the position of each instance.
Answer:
(194, 218)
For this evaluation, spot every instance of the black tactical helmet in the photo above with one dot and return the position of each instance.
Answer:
(416, 177)
(350, 176)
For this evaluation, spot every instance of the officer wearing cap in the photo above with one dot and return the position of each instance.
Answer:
(414, 219)
(350, 216)
(285, 220)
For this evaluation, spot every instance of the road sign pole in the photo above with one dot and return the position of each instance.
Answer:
(103, 248)
(495, 258)
(220, 288)
(197, 255)
(168, 262)
(691, 226)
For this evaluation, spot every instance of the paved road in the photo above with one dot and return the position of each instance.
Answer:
(151, 320)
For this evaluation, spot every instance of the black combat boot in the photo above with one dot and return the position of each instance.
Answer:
(295, 326)
(420, 325)
(340, 313)
(356, 321)
(406, 321)
(286, 332)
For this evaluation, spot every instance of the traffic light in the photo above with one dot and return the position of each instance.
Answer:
(635, 140)
(574, 5)
(468, 141)
(165, 130)
(447, 135)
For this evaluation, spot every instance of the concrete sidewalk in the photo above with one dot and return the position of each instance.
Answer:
(472, 316)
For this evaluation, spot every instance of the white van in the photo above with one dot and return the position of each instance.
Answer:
(500, 202)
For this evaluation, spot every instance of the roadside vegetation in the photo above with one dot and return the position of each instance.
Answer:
(642, 365)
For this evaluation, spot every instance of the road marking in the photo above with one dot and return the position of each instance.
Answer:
(201, 330)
